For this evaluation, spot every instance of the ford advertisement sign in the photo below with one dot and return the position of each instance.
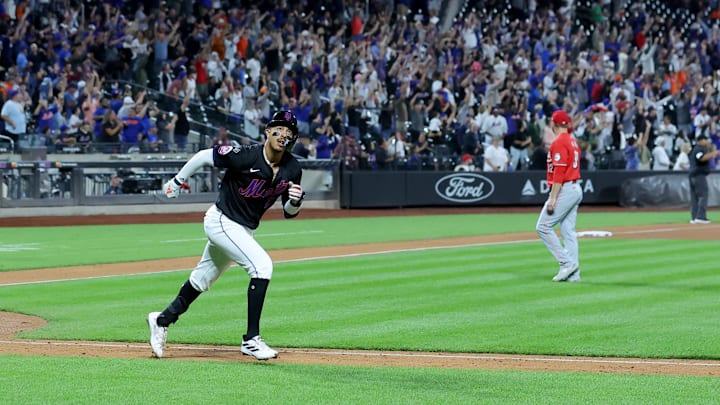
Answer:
(464, 187)
(367, 189)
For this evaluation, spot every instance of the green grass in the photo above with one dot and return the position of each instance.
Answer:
(27, 248)
(645, 298)
(648, 298)
(53, 380)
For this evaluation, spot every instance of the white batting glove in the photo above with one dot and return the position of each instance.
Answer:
(172, 188)
(295, 193)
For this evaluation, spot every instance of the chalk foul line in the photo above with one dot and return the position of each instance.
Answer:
(304, 259)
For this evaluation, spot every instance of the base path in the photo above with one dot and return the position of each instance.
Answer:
(11, 324)
(9, 345)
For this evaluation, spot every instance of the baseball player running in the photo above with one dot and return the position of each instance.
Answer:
(255, 177)
(563, 173)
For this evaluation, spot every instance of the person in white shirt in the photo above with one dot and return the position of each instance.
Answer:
(215, 68)
(496, 157)
(396, 147)
(75, 120)
(667, 132)
(494, 125)
(254, 68)
(623, 60)
(237, 101)
(521, 61)
(702, 123)
(470, 39)
(647, 58)
(681, 140)
(661, 161)
(252, 120)
(683, 160)
(138, 46)
(336, 91)
(13, 113)
(127, 105)
(501, 67)
(191, 85)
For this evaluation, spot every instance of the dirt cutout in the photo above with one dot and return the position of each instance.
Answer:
(11, 324)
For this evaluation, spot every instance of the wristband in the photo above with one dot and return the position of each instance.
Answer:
(175, 180)
(299, 202)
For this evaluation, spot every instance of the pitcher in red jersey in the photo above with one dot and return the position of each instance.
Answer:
(563, 175)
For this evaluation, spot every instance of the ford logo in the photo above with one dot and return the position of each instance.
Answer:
(464, 188)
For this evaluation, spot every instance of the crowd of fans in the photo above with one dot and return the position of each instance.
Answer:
(378, 84)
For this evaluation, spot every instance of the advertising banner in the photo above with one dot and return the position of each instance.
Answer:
(415, 189)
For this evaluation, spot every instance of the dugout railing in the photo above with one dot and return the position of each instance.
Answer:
(71, 183)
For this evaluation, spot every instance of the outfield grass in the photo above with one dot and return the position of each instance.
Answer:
(644, 298)
(27, 248)
(53, 380)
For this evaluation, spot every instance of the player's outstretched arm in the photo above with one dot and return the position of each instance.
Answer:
(200, 159)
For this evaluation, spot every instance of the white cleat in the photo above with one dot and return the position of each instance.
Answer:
(257, 348)
(702, 221)
(158, 334)
(692, 221)
(574, 277)
(565, 272)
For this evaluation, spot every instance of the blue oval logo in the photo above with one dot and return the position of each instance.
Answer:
(464, 188)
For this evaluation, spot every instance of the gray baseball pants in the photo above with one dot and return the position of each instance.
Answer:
(565, 214)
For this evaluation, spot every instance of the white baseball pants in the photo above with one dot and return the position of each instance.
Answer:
(228, 242)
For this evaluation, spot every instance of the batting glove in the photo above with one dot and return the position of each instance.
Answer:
(296, 194)
(172, 188)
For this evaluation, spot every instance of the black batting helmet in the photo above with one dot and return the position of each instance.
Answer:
(285, 119)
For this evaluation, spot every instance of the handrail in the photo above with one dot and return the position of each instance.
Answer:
(12, 142)
(153, 93)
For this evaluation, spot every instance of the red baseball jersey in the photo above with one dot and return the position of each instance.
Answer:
(563, 160)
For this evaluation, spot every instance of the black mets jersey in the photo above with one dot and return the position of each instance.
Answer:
(248, 188)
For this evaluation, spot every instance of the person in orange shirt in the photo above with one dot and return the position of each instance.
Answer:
(242, 44)
(218, 42)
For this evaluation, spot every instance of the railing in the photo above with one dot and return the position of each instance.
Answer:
(47, 184)
(203, 119)
(12, 143)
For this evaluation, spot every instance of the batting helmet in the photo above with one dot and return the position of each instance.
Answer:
(288, 120)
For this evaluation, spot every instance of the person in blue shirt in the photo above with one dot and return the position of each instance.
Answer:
(99, 115)
(326, 139)
(64, 54)
(117, 101)
(44, 114)
(21, 61)
(64, 139)
(302, 109)
(132, 128)
(632, 159)
(115, 186)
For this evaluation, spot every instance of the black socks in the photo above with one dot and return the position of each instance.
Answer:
(180, 304)
(256, 298)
